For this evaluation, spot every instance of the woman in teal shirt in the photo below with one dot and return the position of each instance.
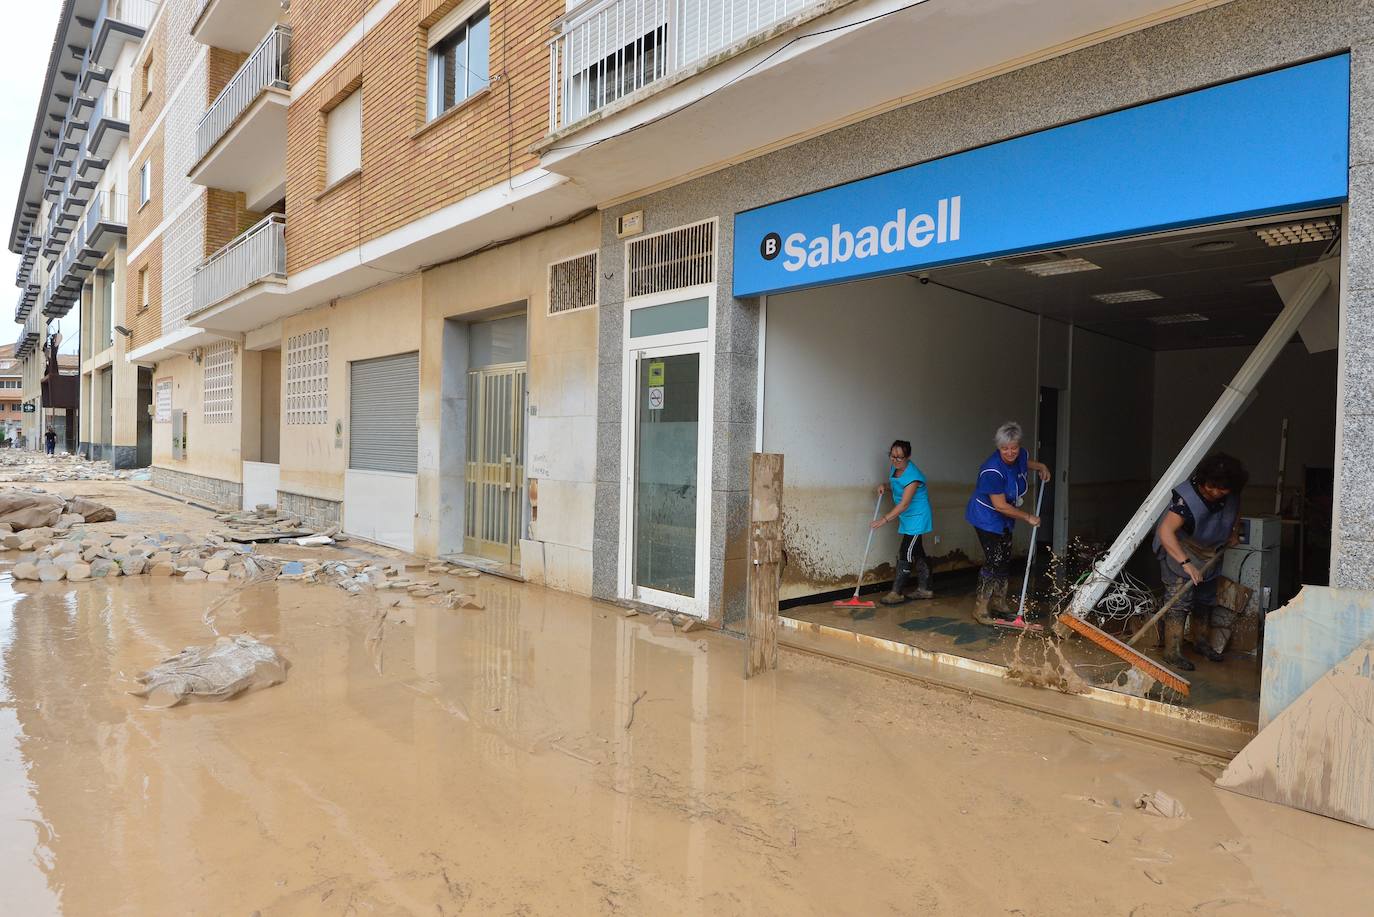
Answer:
(912, 509)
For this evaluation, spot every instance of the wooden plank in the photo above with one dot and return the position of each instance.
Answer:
(765, 562)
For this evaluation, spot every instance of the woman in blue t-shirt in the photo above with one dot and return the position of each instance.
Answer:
(912, 508)
(993, 511)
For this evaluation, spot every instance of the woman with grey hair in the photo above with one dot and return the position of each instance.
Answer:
(993, 510)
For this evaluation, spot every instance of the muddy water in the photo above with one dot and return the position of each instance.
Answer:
(546, 755)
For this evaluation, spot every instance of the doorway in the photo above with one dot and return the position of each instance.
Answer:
(144, 448)
(495, 474)
(666, 496)
(1047, 452)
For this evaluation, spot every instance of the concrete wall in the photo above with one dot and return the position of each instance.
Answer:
(848, 369)
(1300, 387)
(561, 422)
(1232, 40)
(1110, 434)
(379, 322)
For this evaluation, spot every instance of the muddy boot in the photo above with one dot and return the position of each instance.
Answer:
(1215, 649)
(922, 587)
(1000, 608)
(982, 600)
(1173, 645)
(916, 592)
(892, 598)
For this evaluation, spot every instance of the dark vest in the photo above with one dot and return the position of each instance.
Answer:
(1211, 527)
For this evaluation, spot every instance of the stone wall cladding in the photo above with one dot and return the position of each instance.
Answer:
(1231, 41)
(315, 512)
(210, 491)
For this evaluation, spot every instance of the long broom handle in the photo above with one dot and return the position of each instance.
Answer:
(859, 580)
(1175, 596)
(1030, 555)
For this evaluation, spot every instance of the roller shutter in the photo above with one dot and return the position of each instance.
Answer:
(384, 401)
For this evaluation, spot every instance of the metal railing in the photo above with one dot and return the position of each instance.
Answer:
(137, 13)
(110, 105)
(256, 255)
(108, 207)
(617, 47)
(267, 67)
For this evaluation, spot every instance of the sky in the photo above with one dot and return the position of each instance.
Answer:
(25, 42)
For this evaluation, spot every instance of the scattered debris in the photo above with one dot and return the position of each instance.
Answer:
(22, 509)
(1160, 803)
(225, 668)
(36, 467)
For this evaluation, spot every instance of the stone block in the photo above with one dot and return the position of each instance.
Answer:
(51, 573)
(163, 568)
(219, 576)
(25, 571)
(134, 566)
(79, 571)
(196, 576)
(101, 568)
(214, 565)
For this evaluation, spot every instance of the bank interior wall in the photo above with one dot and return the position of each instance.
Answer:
(848, 369)
(382, 321)
(562, 402)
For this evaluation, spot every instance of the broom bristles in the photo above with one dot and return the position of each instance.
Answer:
(1124, 652)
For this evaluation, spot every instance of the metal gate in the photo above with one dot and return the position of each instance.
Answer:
(496, 462)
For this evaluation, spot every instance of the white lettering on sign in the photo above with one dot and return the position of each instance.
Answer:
(894, 236)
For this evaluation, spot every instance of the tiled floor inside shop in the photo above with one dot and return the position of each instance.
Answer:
(944, 625)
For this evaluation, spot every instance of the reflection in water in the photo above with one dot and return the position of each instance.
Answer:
(491, 764)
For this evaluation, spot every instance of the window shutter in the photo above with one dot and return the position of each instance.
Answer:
(384, 400)
(344, 130)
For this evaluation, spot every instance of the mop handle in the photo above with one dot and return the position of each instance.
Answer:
(859, 580)
(1030, 554)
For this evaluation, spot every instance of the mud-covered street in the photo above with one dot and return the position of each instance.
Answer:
(547, 755)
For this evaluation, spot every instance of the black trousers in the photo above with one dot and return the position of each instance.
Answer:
(911, 555)
(996, 554)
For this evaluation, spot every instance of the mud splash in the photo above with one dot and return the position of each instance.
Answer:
(1037, 662)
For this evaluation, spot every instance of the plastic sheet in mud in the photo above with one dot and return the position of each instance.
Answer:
(224, 669)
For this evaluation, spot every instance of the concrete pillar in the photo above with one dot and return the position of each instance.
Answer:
(1352, 561)
(124, 424)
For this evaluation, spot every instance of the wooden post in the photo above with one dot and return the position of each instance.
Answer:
(765, 562)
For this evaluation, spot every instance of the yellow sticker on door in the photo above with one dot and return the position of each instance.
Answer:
(656, 372)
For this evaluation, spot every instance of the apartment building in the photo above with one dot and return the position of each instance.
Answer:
(359, 296)
(11, 395)
(70, 222)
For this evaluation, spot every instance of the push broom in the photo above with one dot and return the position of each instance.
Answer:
(854, 601)
(1020, 622)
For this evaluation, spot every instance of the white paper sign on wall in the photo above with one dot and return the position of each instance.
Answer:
(162, 400)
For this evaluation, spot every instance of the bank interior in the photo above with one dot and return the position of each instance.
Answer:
(1109, 355)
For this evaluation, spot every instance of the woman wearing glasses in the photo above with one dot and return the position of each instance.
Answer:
(912, 509)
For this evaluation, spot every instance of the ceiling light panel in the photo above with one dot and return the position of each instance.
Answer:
(1323, 230)
(1127, 296)
(1181, 318)
(1059, 266)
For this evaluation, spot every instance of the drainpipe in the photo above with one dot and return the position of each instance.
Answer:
(1232, 399)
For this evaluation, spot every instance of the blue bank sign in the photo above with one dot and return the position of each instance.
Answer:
(1262, 145)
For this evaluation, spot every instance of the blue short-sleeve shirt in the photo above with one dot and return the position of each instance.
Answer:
(916, 520)
(997, 477)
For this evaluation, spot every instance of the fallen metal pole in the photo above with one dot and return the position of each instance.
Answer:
(1232, 399)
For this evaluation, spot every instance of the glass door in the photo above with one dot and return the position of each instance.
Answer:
(667, 471)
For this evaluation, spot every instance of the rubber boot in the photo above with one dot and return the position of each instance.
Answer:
(892, 598)
(1000, 608)
(1173, 645)
(922, 588)
(1216, 649)
(981, 601)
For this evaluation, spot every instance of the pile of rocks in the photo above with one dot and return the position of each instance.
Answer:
(264, 523)
(23, 509)
(19, 465)
(82, 556)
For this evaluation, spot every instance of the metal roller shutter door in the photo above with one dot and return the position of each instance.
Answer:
(384, 401)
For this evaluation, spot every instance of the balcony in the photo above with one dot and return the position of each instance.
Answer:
(236, 25)
(109, 123)
(241, 140)
(29, 336)
(118, 22)
(644, 92)
(254, 261)
(107, 221)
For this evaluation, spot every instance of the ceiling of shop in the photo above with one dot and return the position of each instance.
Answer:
(1193, 272)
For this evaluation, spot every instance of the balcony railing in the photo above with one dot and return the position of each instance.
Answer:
(617, 47)
(258, 254)
(121, 20)
(268, 67)
(109, 119)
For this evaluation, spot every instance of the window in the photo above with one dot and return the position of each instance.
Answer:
(145, 183)
(147, 73)
(142, 289)
(344, 139)
(459, 65)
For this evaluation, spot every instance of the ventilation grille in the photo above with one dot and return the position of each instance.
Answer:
(672, 260)
(307, 377)
(572, 284)
(217, 402)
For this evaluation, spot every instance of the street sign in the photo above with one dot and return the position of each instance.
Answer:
(30, 409)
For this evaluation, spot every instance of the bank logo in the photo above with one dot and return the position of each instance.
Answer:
(841, 244)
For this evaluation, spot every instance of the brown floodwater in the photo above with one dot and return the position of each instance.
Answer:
(546, 755)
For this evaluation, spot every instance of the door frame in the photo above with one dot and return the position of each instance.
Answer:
(702, 342)
(519, 483)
